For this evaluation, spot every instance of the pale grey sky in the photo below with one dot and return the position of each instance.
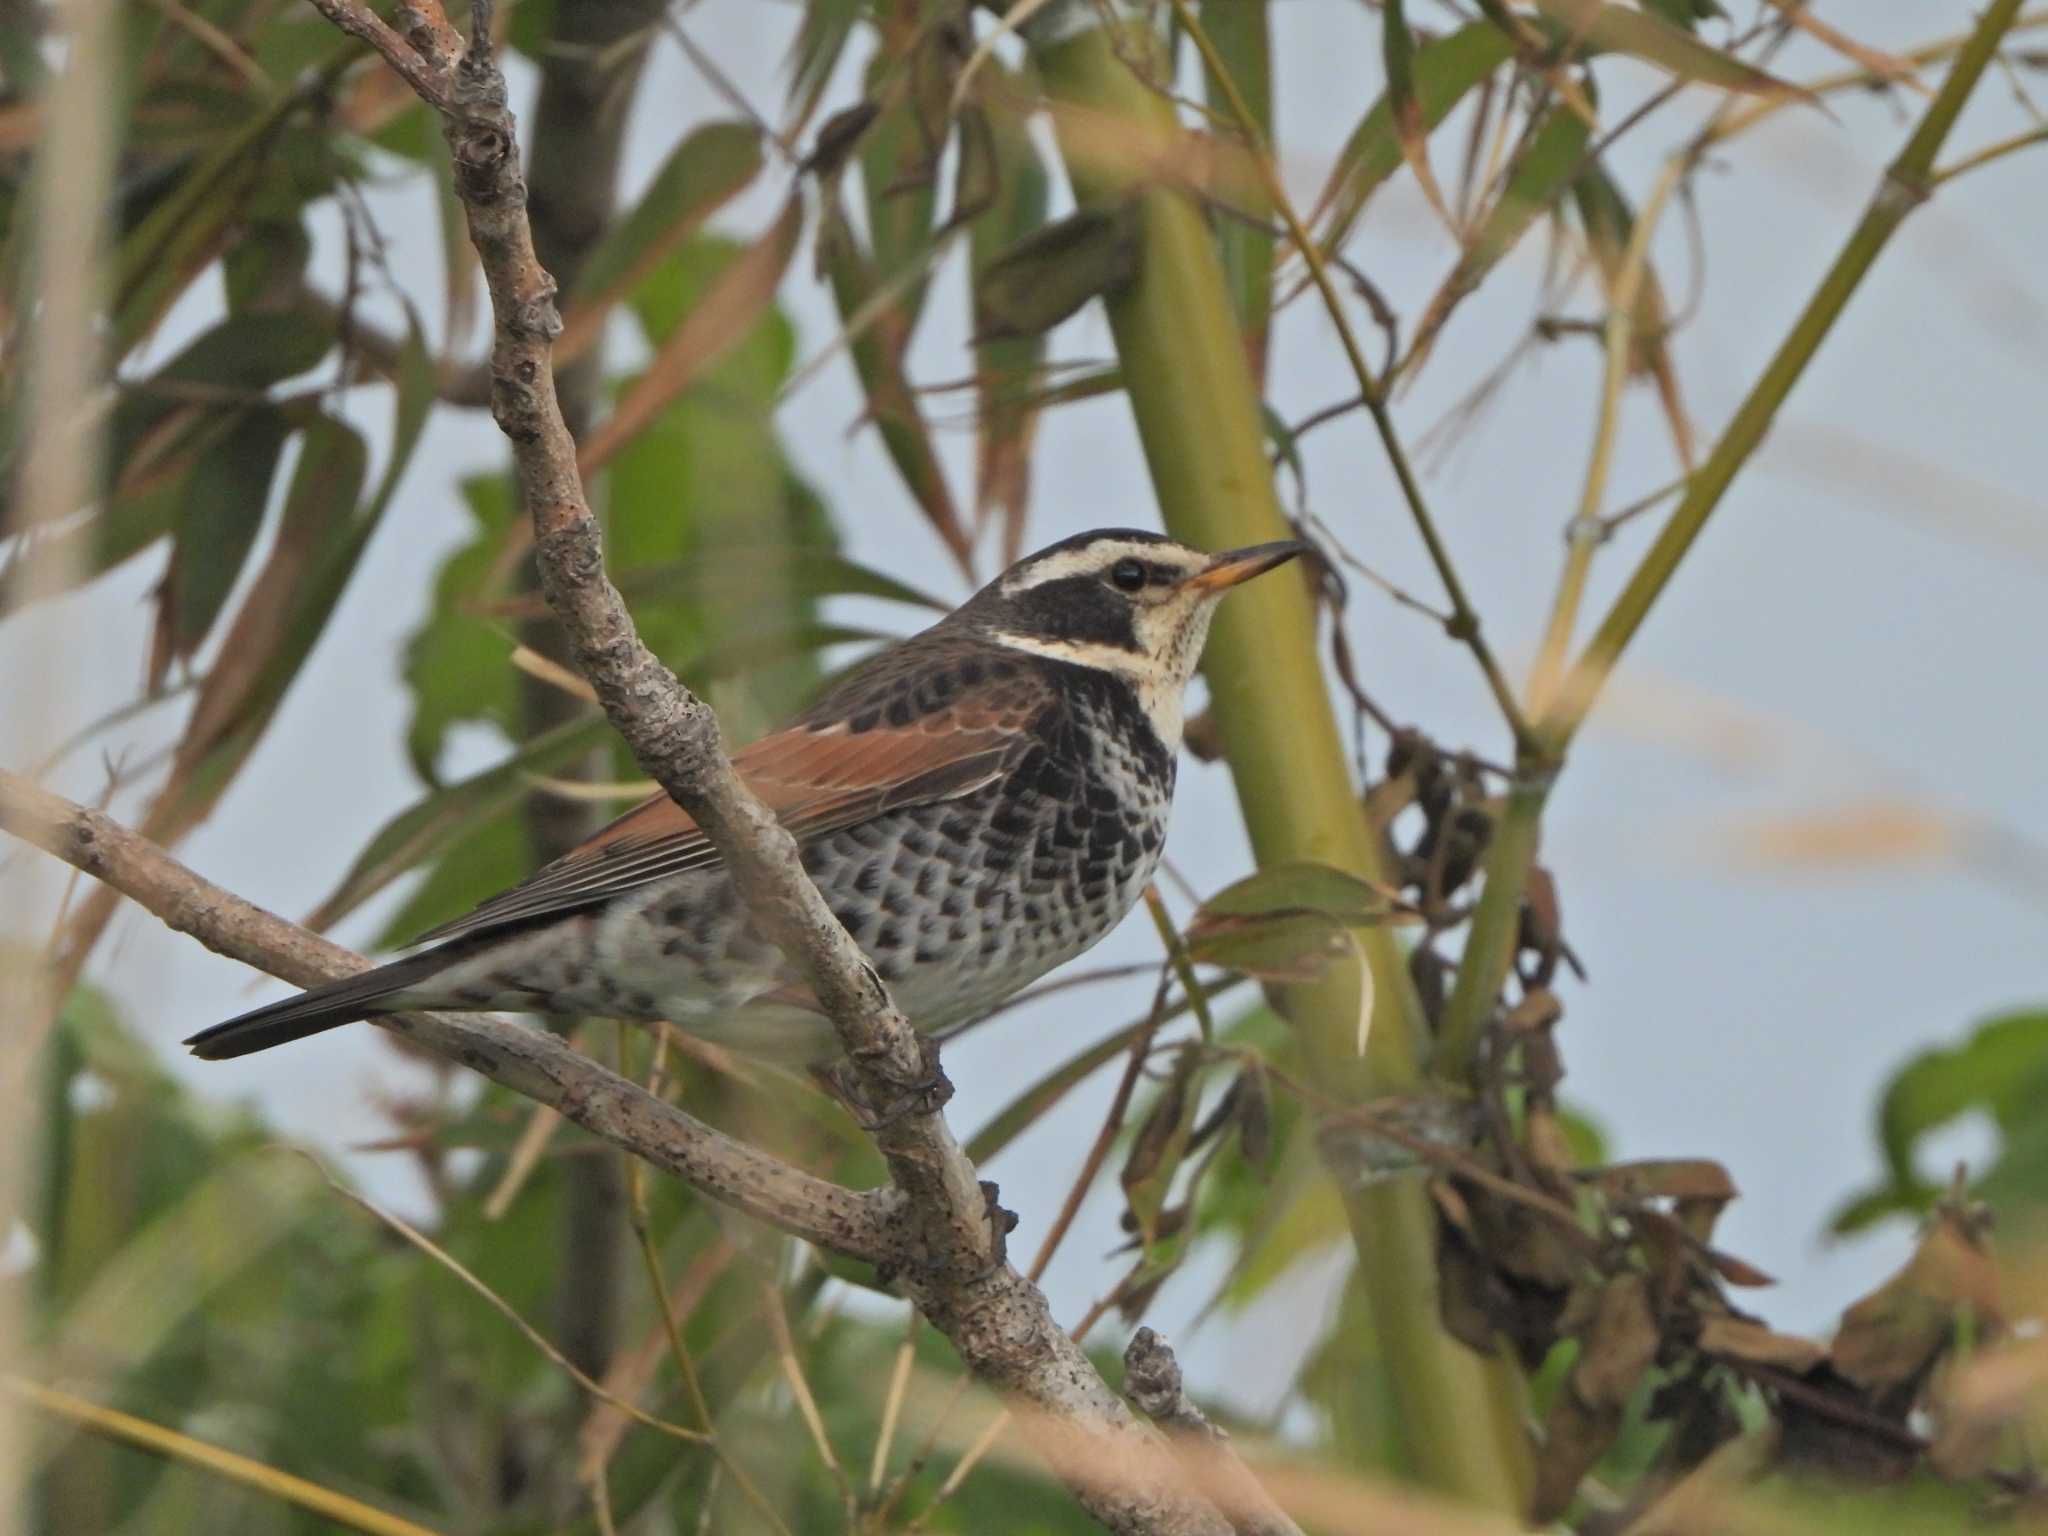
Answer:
(1862, 622)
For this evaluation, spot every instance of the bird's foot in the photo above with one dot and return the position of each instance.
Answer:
(1001, 1223)
(927, 1095)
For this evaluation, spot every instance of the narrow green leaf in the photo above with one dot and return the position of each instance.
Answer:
(1542, 172)
(701, 175)
(426, 828)
(1158, 1148)
(899, 167)
(878, 351)
(1298, 886)
(740, 296)
(1005, 370)
(283, 615)
(1442, 71)
(1288, 922)
(219, 514)
(1017, 1116)
(804, 571)
(1241, 32)
(1397, 46)
(1603, 28)
(1035, 283)
(822, 38)
(179, 237)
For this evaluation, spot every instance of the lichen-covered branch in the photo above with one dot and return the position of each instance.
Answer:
(1152, 1382)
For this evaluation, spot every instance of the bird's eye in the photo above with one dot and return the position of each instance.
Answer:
(1129, 575)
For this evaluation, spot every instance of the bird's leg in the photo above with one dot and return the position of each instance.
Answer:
(1001, 1223)
(927, 1095)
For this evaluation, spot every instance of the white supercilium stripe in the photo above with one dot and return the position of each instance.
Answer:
(1090, 559)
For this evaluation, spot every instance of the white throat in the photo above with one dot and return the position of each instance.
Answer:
(1158, 675)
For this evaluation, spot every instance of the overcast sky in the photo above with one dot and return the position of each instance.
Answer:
(1861, 623)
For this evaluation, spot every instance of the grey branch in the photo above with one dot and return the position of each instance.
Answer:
(526, 1060)
(1152, 1382)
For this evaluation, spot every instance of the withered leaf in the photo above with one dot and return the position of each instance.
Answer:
(1158, 1148)
(1684, 1178)
(1737, 1338)
(1617, 1347)
(1896, 1332)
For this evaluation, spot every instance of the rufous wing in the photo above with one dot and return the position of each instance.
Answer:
(816, 780)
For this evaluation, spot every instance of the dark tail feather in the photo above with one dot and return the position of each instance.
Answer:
(326, 1007)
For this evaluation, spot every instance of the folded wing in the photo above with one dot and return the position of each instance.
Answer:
(816, 780)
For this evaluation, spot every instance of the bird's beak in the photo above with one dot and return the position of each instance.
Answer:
(1236, 565)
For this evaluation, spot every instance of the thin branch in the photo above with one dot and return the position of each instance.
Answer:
(176, 1447)
(1464, 623)
(1587, 531)
(528, 1061)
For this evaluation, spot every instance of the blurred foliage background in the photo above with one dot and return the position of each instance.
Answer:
(564, 1346)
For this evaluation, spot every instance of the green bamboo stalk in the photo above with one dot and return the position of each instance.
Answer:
(1905, 185)
(1241, 32)
(1197, 414)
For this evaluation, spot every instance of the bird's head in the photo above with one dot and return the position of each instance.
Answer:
(1130, 603)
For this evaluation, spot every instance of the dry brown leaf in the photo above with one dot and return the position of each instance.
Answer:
(1736, 1338)
(1894, 1334)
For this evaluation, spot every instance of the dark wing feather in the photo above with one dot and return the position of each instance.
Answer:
(817, 778)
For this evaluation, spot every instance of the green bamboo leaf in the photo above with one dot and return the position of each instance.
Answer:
(1608, 219)
(1288, 922)
(820, 40)
(1686, 13)
(707, 489)
(804, 571)
(701, 175)
(1022, 1112)
(430, 825)
(1598, 27)
(321, 539)
(1442, 72)
(181, 234)
(878, 351)
(1241, 32)
(1032, 285)
(899, 167)
(1542, 172)
(1295, 1215)
(1397, 47)
(282, 615)
(219, 514)
(727, 311)
(1158, 1148)
(1005, 370)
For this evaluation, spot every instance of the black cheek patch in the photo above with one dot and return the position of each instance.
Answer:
(1081, 609)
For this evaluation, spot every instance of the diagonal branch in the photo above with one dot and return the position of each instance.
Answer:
(528, 1061)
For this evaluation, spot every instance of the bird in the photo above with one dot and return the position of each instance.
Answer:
(978, 804)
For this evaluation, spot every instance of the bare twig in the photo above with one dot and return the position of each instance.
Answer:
(526, 1060)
